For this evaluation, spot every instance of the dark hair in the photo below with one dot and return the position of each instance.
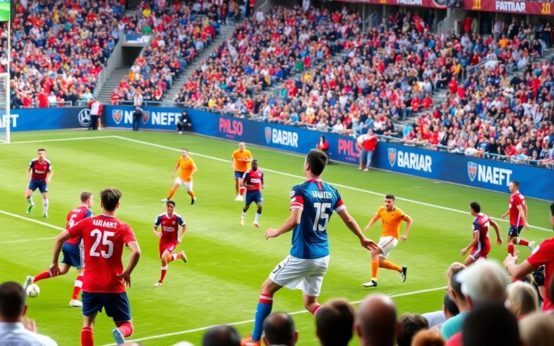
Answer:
(279, 329)
(476, 207)
(390, 197)
(185, 149)
(41, 149)
(110, 198)
(450, 305)
(410, 324)
(170, 202)
(12, 300)
(335, 323)
(85, 196)
(515, 182)
(454, 284)
(316, 160)
(490, 324)
(221, 336)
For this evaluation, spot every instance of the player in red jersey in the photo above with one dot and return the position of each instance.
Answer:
(71, 249)
(104, 279)
(253, 182)
(518, 218)
(40, 174)
(480, 244)
(172, 229)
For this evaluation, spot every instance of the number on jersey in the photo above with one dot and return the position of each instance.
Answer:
(103, 238)
(322, 214)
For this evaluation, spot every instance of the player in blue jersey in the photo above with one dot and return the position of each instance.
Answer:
(312, 204)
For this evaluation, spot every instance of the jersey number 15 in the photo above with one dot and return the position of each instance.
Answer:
(322, 214)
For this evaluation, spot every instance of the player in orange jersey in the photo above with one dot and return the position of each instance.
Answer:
(391, 217)
(240, 160)
(186, 168)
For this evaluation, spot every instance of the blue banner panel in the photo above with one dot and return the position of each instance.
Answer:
(48, 118)
(488, 174)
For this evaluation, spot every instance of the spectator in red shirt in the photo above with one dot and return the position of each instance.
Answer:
(366, 145)
(323, 145)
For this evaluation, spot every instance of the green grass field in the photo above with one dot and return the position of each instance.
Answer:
(227, 262)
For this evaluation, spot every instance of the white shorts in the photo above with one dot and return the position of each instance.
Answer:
(386, 244)
(299, 273)
(188, 185)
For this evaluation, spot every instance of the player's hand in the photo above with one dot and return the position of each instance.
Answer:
(510, 260)
(366, 228)
(54, 269)
(369, 244)
(463, 251)
(29, 324)
(499, 241)
(526, 226)
(125, 276)
(503, 216)
(404, 237)
(271, 233)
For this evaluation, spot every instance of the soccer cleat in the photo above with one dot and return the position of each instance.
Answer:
(370, 283)
(192, 200)
(365, 169)
(158, 284)
(249, 342)
(45, 215)
(242, 220)
(404, 273)
(532, 245)
(118, 336)
(183, 256)
(163, 200)
(75, 303)
(30, 208)
(28, 281)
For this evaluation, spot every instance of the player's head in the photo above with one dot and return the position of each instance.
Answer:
(389, 201)
(279, 330)
(170, 206)
(475, 208)
(242, 145)
(86, 198)
(184, 152)
(220, 336)
(514, 186)
(334, 323)
(315, 163)
(110, 198)
(12, 302)
(254, 165)
(41, 152)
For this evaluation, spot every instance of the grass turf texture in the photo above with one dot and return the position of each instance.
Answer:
(227, 262)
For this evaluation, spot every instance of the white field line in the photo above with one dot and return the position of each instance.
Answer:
(62, 139)
(334, 184)
(199, 329)
(28, 219)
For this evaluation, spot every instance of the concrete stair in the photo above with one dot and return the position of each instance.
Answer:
(105, 94)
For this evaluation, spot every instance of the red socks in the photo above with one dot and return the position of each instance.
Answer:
(44, 275)
(126, 328)
(86, 337)
(77, 286)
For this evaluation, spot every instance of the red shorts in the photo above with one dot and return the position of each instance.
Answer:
(167, 247)
(480, 251)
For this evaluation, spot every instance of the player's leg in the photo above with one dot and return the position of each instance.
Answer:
(92, 304)
(520, 241)
(375, 255)
(311, 285)
(190, 191)
(77, 286)
(29, 196)
(259, 204)
(44, 193)
(263, 309)
(164, 257)
(118, 308)
(173, 189)
(64, 268)
(469, 260)
(247, 203)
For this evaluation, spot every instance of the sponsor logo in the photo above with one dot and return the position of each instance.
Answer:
(488, 174)
(281, 137)
(117, 116)
(392, 156)
(510, 6)
(10, 121)
(145, 117)
(231, 128)
(347, 147)
(410, 2)
(84, 117)
(268, 135)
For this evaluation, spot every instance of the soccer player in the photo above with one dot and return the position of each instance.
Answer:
(104, 278)
(391, 217)
(240, 161)
(40, 174)
(253, 181)
(518, 218)
(480, 244)
(71, 250)
(186, 168)
(311, 206)
(172, 229)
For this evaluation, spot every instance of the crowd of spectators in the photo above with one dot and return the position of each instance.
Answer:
(263, 51)
(178, 34)
(59, 49)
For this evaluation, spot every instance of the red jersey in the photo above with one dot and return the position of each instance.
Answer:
(39, 169)
(73, 217)
(255, 179)
(516, 199)
(544, 255)
(103, 240)
(481, 225)
(170, 227)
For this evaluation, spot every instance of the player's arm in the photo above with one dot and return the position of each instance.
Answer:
(175, 170)
(473, 242)
(517, 271)
(49, 175)
(157, 222)
(245, 181)
(58, 243)
(194, 168)
(181, 232)
(30, 171)
(497, 230)
(133, 260)
(506, 213)
(523, 214)
(372, 221)
(353, 226)
(409, 222)
(288, 225)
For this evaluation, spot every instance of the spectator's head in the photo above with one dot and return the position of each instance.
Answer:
(316, 160)
(514, 185)
(335, 323)
(12, 302)
(449, 307)
(428, 338)
(410, 324)
(475, 208)
(537, 329)
(522, 299)
(109, 198)
(484, 282)
(490, 324)
(376, 324)
(87, 199)
(221, 336)
(279, 329)
(454, 286)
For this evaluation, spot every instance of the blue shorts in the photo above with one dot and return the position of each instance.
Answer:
(72, 255)
(116, 305)
(38, 184)
(514, 231)
(253, 196)
(239, 175)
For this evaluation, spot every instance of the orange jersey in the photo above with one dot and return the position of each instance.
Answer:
(239, 160)
(391, 221)
(186, 167)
